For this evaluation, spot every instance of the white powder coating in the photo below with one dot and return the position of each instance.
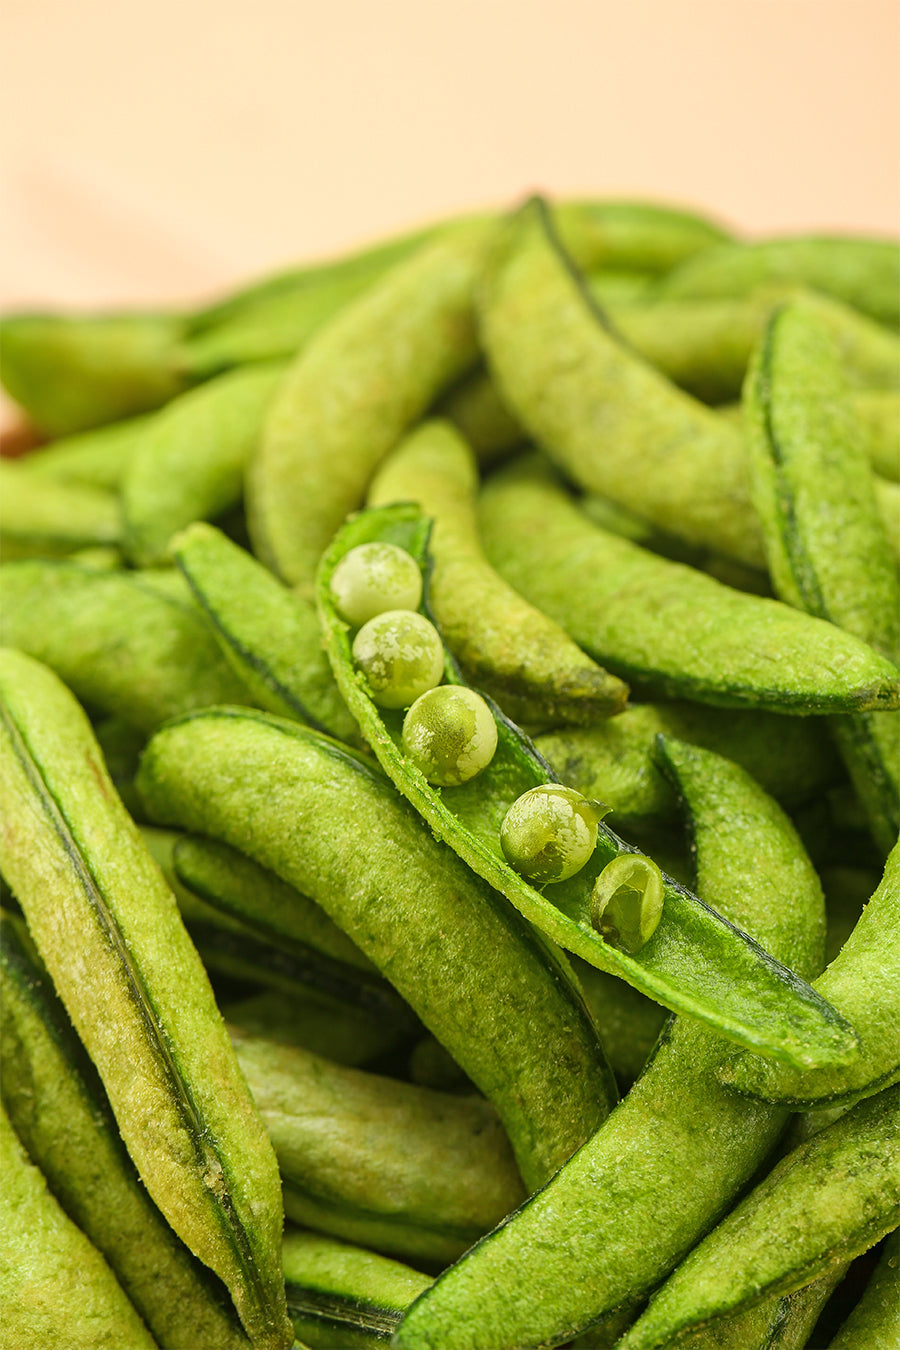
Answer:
(374, 578)
(450, 734)
(549, 833)
(401, 656)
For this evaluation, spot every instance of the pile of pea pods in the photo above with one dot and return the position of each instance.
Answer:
(450, 797)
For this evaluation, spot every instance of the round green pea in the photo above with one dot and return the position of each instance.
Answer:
(450, 734)
(373, 578)
(627, 901)
(401, 655)
(549, 833)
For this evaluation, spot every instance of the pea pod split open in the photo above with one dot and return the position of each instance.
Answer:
(696, 962)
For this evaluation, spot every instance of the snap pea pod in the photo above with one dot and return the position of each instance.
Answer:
(783, 1322)
(336, 1028)
(404, 1169)
(864, 273)
(121, 646)
(60, 1112)
(55, 1286)
(97, 458)
(352, 393)
(696, 962)
(615, 1219)
(828, 553)
(631, 1022)
(482, 418)
(269, 634)
(108, 930)
(665, 626)
(830, 1199)
(342, 1297)
(503, 644)
(190, 459)
(41, 517)
(790, 757)
(476, 974)
(863, 981)
(877, 413)
(874, 1324)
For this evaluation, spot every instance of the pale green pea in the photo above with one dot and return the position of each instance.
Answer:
(627, 901)
(373, 578)
(450, 734)
(401, 655)
(549, 833)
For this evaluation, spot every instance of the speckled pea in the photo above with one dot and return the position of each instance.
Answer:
(373, 578)
(400, 655)
(450, 734)
(549, 833)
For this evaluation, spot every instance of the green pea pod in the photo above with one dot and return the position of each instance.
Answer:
(827, 1201)
(56, 1288)
(108, 930)
(661, 624)
(672, 1156)
(874, 1324)
(97, 458)
(336, 1028)
(828, 552)
(60, 1112)
(269, 634)
(634, 236)
(50, 518)
(478, 977)
(342, 1297)
(502, 643)
(480, 416)
(409, 1171)
(631, 1022)
(352, 393)
(783, 1322)
(864, 273)
(120, 645)
(877, 413)
(696, 962)
(190, 460)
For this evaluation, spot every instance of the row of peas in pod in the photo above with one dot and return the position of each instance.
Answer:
(449, 734)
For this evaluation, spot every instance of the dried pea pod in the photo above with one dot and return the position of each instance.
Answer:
(335, 1028)
(874, 1323)
(665, 626)
(60, 1112)
(877, 414)
(476, 974)
(830, 1199)
(120, 645)
(502, 643)
(409, 1171)
(52, 518)
(56, 1288)
(98, 458)
(107, 927)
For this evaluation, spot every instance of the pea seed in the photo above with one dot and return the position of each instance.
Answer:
(401, 655)
(373, 578)
(627, 901)
(450, 734)
(549, 833)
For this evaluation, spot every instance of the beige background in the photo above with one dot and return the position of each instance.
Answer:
(157, 150)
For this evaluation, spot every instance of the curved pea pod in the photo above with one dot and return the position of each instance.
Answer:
(60, 1112)
(696, 962)
(52, 518)
(502, 643)
(56, 1288)
(827, 1201)
(338, 1029)
(673, 1154)
(107, 928)
(269, 634)
(72, 372)
(481, 417)
(782, 1322)
(863, 981)
(190, 459)
(342, 1297)
(353, 392)
(120, 645)
(828, 553)
(877, 413)
(404, 1169)
(476, 974)
(874, 1324)
(864, 273)
(634, 236)
(790, 757)
(675, 631)
(97, 458)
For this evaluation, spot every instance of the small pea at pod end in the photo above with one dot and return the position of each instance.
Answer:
(627, 901)
(401, 656)
(373, 578)
(450, 734)
(549, 833)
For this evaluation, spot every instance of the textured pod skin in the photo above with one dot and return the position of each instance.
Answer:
(56, 1288)
(616, 1219)
(504, 644)
(98, 458)
(874, 1324)
(830, 1199)
(108, 930)
(41, 517)
(60, 1112)
(466, 963)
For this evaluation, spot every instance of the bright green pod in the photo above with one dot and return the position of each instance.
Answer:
(326, 821)
(791, 757)
(353, 392)
(864, 273)
(98, 458)
(665, 626)
(339, 1029)
(409, 1171)
(783, 1322)
(863, 981)
(55, 1287)
(827, 549)
(696, 963)
(672, 1156)
(829, 1200)
(503, 644)
(120, 645)
(634, 236)
(48, 518)
(874, 1323)
(342, 1297)
(107, 928)
(190, 459)
(60, 1112)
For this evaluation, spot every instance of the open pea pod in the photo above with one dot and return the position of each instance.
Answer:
(695, 963)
